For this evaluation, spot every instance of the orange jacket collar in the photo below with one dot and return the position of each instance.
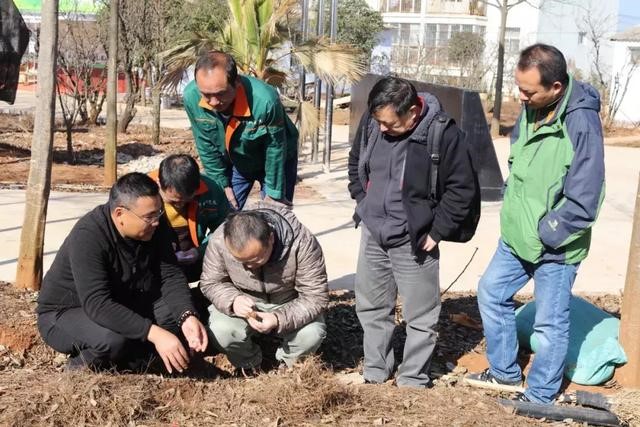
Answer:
(192, 207)
(202, 188)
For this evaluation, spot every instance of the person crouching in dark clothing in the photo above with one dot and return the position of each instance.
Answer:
(115, 287)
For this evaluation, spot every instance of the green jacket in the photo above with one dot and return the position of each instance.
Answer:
(208, 209)
(556, 185)
(257, 140)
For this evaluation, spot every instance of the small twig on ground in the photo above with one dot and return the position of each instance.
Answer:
(461, 273)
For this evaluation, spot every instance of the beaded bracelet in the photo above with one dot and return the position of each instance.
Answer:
(184, 316)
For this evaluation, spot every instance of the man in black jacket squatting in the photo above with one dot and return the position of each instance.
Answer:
(115, 287)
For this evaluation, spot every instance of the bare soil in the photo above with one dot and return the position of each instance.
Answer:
(36, 390)
(88, 147)
(86, 172)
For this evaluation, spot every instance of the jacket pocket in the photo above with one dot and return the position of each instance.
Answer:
(206, 123)
(553, 192)
(254, 131)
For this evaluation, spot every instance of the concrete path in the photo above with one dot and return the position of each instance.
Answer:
(329, 217)
(602, 272)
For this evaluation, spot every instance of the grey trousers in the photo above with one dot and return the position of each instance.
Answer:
(382, 274)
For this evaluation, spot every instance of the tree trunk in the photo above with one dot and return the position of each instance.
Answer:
(155, 107)
(129, 111)
(497, 101)
(110, 166)
(629, 374)
(29, 271)
(71, 159)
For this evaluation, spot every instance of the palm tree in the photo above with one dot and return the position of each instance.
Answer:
(255, 33)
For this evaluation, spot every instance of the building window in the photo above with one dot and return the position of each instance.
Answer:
(400, 6)
(443, 35)
(512, 40)
(430, 35)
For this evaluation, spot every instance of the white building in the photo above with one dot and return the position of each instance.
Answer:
(625, 76)
(418, 33)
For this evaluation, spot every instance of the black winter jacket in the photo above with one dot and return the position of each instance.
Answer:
(456, 179)
(115, 280)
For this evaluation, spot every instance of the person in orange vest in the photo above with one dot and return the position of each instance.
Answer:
(194, 206)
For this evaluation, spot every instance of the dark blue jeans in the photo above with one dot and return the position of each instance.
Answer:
(505, 276)
(242, 185)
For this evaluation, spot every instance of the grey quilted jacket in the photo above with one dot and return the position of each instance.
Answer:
(295, 275)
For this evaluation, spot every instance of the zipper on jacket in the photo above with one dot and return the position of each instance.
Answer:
(264, 287)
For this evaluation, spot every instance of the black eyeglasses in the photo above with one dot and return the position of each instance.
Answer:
(147, 219)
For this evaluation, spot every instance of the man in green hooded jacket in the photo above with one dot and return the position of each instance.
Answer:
(241, 131)
(551, 200)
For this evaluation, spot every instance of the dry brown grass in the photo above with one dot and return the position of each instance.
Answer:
(35, 392)
(118, 399)
(627, 406)
(308, 395)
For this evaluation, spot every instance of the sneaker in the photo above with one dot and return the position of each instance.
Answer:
(520, 397)
(485, 379)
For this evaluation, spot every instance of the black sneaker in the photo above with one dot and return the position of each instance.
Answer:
(520, 397)
(485, 379)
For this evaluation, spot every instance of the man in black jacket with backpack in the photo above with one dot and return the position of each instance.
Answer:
(411, 174)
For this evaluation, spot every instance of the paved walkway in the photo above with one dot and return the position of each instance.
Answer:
(329, 217)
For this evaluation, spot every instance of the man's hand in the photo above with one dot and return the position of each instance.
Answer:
(429, 244)
(195, 333)
(243, 306)
(188, 257)
(228, 191)
(282, 201)
(263, 322)
(169, 348)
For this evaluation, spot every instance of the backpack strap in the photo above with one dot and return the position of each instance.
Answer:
(434, 138)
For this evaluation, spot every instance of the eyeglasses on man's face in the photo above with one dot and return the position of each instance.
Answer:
(149, 219)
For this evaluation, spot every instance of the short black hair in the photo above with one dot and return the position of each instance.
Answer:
(243, 226)
(131, 187)
(180, 172)
(394, 91)
(214, 59)
(548, 60)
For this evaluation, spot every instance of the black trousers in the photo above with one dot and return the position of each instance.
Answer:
(72, 332)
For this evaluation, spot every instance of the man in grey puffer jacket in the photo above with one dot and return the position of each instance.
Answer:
(264, 273)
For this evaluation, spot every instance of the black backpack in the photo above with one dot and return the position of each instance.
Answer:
(434, 138)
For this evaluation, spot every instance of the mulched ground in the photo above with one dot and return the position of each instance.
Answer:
(35, 389)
